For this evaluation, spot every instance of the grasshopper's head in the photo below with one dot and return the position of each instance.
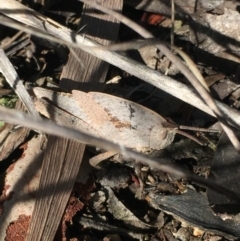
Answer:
(163, 136)
(160, 138)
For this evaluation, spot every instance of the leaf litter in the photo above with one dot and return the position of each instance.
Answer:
(147, 212)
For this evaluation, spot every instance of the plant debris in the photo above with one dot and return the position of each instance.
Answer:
(119, 198)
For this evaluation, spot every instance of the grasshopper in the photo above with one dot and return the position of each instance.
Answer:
(113, 118)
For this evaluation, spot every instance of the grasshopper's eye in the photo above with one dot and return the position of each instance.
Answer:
(158, 138)
(162, 135)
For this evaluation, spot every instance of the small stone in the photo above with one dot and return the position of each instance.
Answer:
(215, 238)
(182, 234)
(197, 232)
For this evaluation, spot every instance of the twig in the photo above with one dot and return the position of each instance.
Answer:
(45, 35)
(173, 20)
(10, 41)
(13, 80)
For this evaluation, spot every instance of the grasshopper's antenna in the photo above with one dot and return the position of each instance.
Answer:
(190, 128)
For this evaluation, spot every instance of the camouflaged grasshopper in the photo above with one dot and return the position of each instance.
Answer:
(116, 119)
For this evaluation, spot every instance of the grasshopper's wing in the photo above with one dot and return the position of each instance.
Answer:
(94, 114)
(113, 118)
(79, 104)
(63, 118)
(134, 122)
(63, 109)
(62, 100)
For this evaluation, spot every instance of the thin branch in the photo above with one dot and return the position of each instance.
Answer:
(45, 35)
(17, 85)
